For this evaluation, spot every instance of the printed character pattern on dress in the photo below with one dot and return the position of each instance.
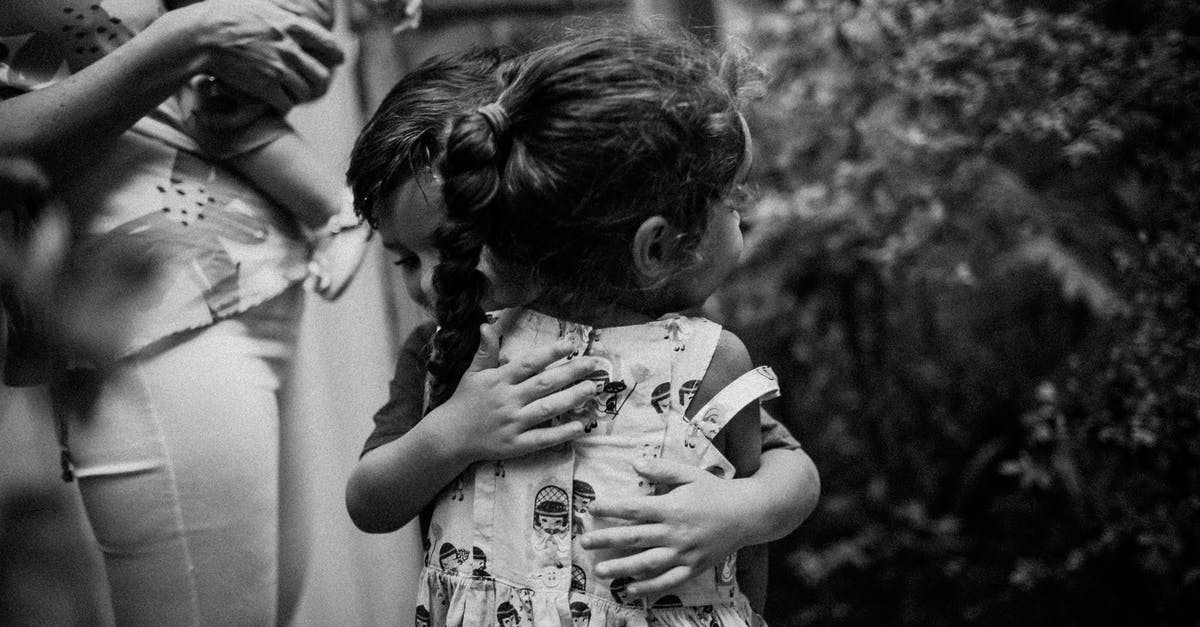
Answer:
(551, 507)
(665, 602)
(525, 598)
(578, 578)
(422, 616)
(581, 614)
(449, 557)
(612, 395)
(582, 495)
(506, 615)
(616, 395)
(618, 591)
(454, 491)
(479, 562)
(660, 398)
(726, 572)
(649, 451)
(707, 424)
(205, 226)
(706, 616)
(431, 540)
(687, 392)
(578, 335)
(676, 331)
(591, 407)
(612, 390)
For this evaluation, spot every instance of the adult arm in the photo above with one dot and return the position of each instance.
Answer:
(253, 45)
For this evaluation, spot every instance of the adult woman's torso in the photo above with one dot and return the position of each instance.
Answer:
(220, 246)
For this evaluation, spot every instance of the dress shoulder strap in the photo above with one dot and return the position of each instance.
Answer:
(760, 384)
(692, 342)
(690, 441)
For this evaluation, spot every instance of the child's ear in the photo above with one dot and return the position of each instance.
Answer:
(654, 249)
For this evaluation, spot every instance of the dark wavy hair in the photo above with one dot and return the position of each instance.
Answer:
(589, 137)
(407, 132)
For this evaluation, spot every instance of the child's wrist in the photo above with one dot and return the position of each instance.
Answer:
(752, 497)
(442, 442)
(345, 220)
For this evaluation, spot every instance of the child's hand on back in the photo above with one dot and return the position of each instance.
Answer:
(681, 533)
(496, 410)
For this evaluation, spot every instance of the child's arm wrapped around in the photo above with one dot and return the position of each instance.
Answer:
(497, 412)
(697, 519)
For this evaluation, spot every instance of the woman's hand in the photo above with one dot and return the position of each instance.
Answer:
(252, 45)
(686, 531)
(322, 11)
(262, 49)
(497, 409)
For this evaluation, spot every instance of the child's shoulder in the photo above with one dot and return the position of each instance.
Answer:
(727, 361)
(730, 356)
(730, 360)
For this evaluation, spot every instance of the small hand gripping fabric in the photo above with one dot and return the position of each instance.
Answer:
(691, 440)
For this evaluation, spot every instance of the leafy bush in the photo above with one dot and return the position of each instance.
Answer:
(976, 261)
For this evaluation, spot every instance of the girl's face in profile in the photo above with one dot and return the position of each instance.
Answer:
(407, 225)
(721, 246)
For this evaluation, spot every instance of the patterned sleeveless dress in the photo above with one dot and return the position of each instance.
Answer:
(502, 547)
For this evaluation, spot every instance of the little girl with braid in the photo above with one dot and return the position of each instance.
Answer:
(545, 526)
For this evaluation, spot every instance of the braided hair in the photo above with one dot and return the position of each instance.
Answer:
(407, 132)
(588, 138)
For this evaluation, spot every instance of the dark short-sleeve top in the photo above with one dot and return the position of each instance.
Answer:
(406, 391)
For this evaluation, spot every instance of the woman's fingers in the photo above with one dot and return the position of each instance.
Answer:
(269, 80)
(317, 42)
(316, 76)
(293, 86)
(319, 10)
(269, 52)
(626, 537)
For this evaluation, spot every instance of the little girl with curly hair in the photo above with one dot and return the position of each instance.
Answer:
(600, 180)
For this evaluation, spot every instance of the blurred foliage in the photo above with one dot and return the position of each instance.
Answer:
(975, 260)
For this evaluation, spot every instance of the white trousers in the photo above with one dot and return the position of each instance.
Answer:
(179, 473)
